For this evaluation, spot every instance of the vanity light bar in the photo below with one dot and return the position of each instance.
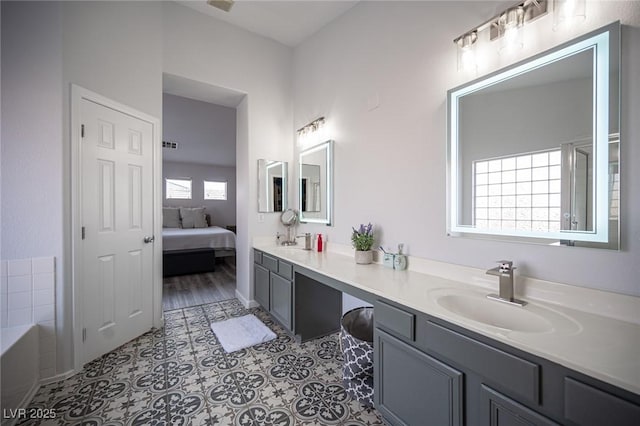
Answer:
(311, 127)
(532, 9)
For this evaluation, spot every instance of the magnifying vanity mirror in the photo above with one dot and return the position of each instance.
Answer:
(272, 186)
(289, 218)
(315, 183)
(533, 149)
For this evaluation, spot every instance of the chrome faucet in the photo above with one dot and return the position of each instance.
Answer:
(504, 271)
(307, 240)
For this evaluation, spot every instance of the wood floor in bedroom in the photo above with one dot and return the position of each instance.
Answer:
(192, 290)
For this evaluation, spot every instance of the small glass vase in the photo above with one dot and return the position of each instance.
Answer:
(364, 257)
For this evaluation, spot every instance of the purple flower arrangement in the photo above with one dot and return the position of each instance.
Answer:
(362, 238)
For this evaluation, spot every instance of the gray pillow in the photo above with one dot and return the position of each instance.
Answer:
(193, 217)
(171, 217)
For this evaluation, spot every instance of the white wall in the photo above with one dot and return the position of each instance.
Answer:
(205, 133)
(401, 52)
(32, 207)
(32, 150)
(222, 55)
(390, 159)
(120, 50)
(223, 212)
(112, 48)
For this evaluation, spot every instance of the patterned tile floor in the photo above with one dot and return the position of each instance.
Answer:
(180, 375)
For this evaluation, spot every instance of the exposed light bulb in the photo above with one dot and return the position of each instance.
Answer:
(467, 52)
(567, 12)
(511, 23)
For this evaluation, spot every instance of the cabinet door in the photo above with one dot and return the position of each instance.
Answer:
(261, 287)
(281, 300)
(586, 405)
(498, 410)
(411, 386)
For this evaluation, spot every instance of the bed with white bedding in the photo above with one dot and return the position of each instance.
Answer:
(213, 237)
(194, 250)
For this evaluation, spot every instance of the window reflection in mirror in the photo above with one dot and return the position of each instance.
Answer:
(533, 148)
(315, 183)
(310, 191)
(272, 186)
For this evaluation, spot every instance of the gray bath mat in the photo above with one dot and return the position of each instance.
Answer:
(241, 332)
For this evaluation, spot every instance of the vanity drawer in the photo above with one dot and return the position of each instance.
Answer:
(395, 319)
(513, 374)
(257, 256)
(586, 405)
(285, 270)
(270, 262)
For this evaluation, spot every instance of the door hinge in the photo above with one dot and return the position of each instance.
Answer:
(82, 130)
(83, 233)
(84, 334)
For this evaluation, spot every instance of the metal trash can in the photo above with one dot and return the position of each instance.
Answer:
(356, 338)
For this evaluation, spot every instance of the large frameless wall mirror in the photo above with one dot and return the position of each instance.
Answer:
(533, 150)
(315, 183)
(272, 186)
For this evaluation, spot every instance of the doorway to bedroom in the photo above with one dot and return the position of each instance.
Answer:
(199, 192)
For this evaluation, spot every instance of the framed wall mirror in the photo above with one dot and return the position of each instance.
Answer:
(315, 183)
(272, 186)
(533, 149)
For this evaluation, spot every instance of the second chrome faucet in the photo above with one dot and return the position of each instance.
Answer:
(504, 271)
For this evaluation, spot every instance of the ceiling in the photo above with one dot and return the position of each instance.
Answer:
(187, 88)
(289, 22)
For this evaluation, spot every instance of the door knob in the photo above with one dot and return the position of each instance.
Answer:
(149, 239)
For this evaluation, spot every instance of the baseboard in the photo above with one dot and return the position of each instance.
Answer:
(57, 377)
(246, 303)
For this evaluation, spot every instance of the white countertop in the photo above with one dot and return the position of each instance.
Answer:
(603, 343)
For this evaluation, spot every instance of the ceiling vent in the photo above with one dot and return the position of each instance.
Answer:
(221, 4)
(170, 145)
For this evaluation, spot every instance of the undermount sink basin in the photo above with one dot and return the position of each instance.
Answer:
(495, 313)
(532, 318)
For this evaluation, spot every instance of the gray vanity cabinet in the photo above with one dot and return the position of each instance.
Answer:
(281, 291)
(413, 388)
(498, 410)
(261, 280)
(273, 286)
(428, 371)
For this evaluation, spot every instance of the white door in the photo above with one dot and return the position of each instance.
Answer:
(116, 216)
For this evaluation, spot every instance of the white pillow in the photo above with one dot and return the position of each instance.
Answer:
(171, 217)
(200, 219)
(193, 217)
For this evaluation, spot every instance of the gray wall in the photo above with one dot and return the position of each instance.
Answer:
(205, 133)
(222, 212)
(206, 137)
